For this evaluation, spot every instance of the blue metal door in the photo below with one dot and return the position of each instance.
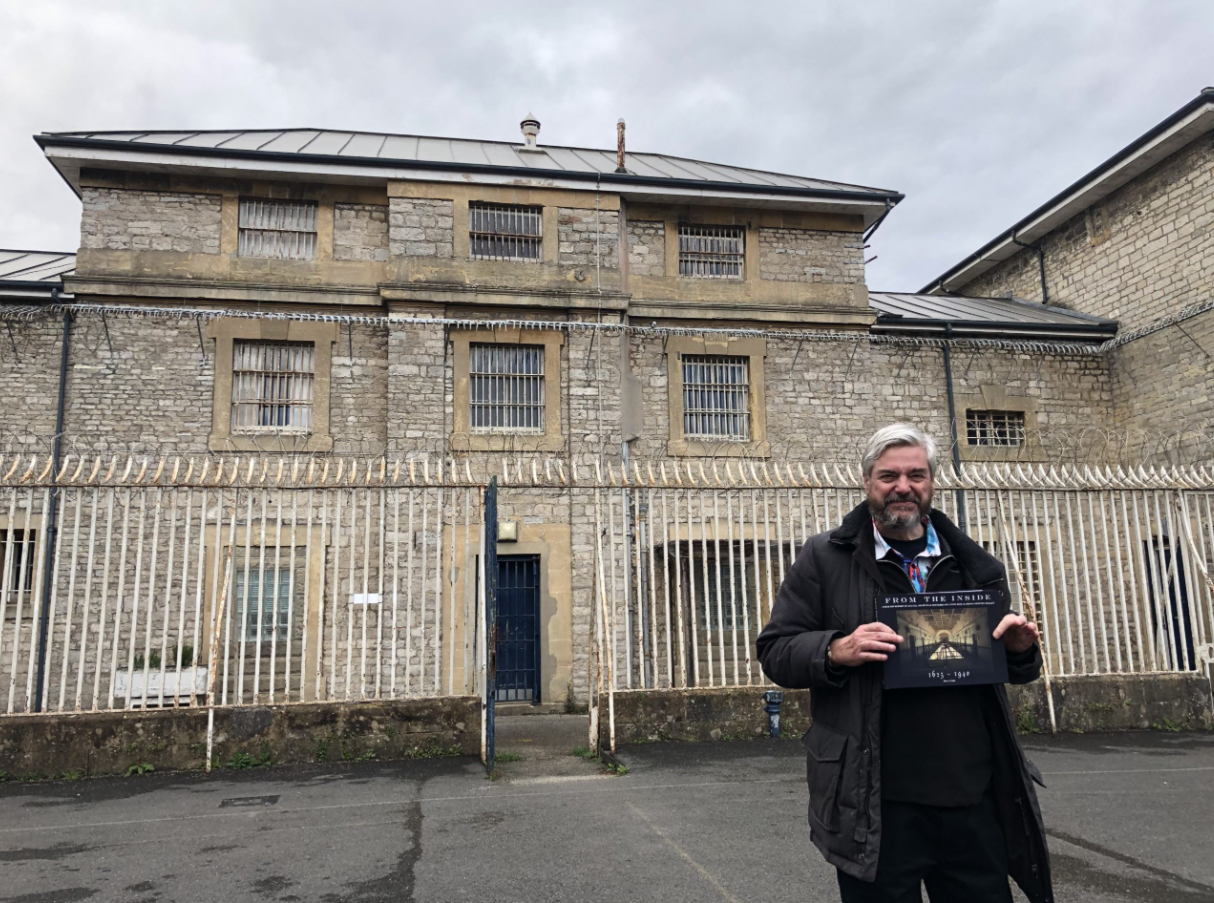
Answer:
(518, 628)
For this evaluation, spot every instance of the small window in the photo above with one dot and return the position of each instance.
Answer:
(17, 548)
(284, 230)
(272, 386)
(506, 388)
(501, 232)
(1026, 555)
(995, 428)
(711, 252)
(716, 397)
(275, 600)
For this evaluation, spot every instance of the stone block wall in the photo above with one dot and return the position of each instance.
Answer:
(646, 248)
(1163, 385)
(824, 399)
(360, 232)
(421, 227)
(121, 220)
(587, 235)
(1144, 252)
(811, 255)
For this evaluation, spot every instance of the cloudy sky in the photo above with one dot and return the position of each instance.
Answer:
(978, 111)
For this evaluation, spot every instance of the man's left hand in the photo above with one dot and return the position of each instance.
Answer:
(1018, 632)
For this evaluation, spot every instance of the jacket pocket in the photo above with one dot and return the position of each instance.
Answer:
(824, 760)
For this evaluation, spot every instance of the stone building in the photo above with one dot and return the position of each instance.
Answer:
(360, 296)
(1132, 240)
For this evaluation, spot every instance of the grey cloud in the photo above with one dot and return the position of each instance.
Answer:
(977, 111)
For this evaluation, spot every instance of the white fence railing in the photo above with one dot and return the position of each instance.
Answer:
(1115, 567)
(180, 591)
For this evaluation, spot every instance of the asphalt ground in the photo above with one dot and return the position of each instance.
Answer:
(1129, 817)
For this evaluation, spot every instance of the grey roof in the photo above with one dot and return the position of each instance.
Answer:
(899, 311)
(459, 153)
(35, 266)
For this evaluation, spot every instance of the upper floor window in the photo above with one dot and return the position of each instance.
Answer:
(504, 232)
(716, 397)
(272, 386)
(712, 252)
(995, 428)
(506, 388)
(277, 229)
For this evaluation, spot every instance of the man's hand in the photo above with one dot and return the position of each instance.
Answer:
(1018, 632)
(869, 643)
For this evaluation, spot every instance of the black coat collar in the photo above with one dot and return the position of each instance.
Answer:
(980, 564)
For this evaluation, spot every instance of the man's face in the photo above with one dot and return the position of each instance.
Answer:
(899, 489)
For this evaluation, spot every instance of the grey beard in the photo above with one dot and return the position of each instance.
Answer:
(886, 518)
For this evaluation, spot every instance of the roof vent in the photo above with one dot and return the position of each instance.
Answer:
(531, 130)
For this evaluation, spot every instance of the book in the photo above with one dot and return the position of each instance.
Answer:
(946, 639)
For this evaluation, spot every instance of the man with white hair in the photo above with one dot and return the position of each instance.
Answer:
(910, 787)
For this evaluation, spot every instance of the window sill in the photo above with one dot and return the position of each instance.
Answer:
(506, 442)
(700, 448)
(270, 442)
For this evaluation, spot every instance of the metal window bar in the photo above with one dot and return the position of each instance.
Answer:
(712, 252)
(995, 428)
(272, 386)
(716, 397)
(505, 232)
(506, 388)
(280, 230)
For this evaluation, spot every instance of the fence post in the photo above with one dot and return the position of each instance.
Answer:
(490, 530)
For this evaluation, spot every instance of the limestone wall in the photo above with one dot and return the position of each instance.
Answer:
(646, 248)
(1144, 252)
(122, 220)
(582, 242)
(421, 227)
(810, 255)
(360, 232)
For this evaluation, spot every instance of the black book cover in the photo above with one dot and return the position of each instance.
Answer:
(946, 639)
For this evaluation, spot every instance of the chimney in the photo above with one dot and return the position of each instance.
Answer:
(531, 129)
(619, 147)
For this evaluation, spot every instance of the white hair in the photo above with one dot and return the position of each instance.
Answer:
(894, 436)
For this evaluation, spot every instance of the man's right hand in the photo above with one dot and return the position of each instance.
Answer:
(869, 643)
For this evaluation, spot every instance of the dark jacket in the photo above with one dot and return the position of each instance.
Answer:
(829, 592)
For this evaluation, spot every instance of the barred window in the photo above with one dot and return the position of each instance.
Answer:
(501, 232)
(995, 428)
(18, 554)
(275, 599)
(284, 230)
(506, 388)
(711, 252)
(716, 397)
(272, 386)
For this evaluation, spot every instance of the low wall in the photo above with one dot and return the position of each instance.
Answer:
(1116, 702)
(719, 713)
(99, 743)
(1102, 703)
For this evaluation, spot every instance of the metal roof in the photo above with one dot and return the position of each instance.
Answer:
(417, 151)
(35, 266)
(1194, 119)
(910, 312)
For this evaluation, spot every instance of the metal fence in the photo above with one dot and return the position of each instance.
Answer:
(165, 584)
(1113, 565)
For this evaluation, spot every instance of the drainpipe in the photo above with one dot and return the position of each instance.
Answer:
(1045, 298)
(952, 420)
(52, 522)
(873, 228)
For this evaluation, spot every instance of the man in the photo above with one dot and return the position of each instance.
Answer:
(918, 786)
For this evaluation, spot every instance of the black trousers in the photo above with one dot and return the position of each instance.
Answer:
(958, 853)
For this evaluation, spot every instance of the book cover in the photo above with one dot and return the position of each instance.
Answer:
(946, 639)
